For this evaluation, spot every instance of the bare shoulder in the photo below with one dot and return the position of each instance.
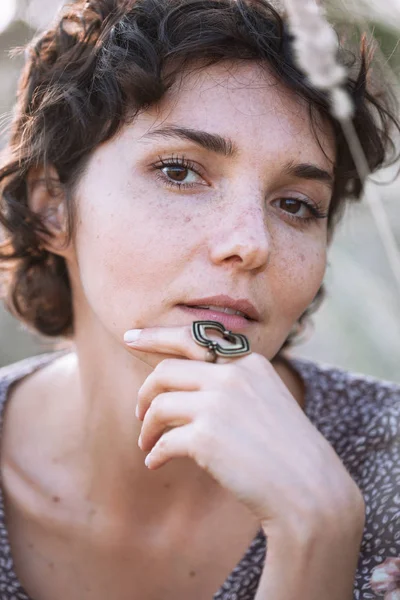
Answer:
(30, 422)
(28, 397)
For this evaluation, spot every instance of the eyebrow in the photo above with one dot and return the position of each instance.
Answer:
(227, 148)
(210, 141)
(309, 171)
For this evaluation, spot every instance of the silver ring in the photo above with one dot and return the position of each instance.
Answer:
(240, 347)
(211, 355)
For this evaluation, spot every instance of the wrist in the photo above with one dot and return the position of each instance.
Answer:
(304, 520)
(313, 554)
(315, 565)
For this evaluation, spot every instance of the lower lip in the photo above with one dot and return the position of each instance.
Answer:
(231, 322)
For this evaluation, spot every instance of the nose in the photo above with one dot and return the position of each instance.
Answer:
(241, 236)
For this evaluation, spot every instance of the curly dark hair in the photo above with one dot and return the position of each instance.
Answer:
(100, 64)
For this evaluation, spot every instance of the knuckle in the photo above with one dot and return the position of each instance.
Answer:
(188, 334)
(210, 408)
(258, 359)
(203, 433)
(230, 374)
(210, 400)
(163, 366)
(201, 443)
(162, 444)
(157, 404)
(154, 410)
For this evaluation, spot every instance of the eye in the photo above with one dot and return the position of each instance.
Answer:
(178, 172)
(301, 209)
(294, 206)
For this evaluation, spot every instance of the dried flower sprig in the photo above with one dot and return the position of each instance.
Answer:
(316, 47)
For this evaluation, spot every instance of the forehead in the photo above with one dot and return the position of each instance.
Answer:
(245, 102)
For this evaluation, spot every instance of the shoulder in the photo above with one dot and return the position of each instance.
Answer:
(360, 415)
(16, 370)
(349, 384)
(360, 404)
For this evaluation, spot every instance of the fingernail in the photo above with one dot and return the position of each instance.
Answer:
(137, 411)
(132, 335)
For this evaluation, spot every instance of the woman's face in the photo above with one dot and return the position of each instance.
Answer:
(164, 219)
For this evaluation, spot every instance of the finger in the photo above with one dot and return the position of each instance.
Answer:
(177, 341)
(176, 443)
(175, 374)
(172, 409)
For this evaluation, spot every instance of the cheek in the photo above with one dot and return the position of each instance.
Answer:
(125, 246)
(299, 273)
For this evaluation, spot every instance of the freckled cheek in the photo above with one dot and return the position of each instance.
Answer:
(299, 275)
(130, 247)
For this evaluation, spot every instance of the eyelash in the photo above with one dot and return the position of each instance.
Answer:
(176, 161)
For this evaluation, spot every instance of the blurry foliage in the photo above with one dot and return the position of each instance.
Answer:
(389, 44)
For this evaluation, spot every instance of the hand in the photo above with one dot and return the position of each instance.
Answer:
(238, 421)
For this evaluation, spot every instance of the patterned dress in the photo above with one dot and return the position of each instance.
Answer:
(360, 417)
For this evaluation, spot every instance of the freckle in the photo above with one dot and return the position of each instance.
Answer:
(188, 219)
(302, 257)
(192, 574)
(51, 565)
(167, 486)
(56, 498)
(31, 546)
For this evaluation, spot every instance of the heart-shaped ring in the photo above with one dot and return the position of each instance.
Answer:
(241, 345)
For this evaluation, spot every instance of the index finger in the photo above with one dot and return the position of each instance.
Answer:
(177, 341)
(180, 341)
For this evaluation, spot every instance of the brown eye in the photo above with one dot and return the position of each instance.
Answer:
(291, 205)
(300, 210)
(176, 173)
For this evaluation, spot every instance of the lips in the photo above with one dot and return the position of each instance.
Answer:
(223, 301)
(234, 323)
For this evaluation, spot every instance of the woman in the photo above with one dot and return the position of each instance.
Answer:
(169, 165)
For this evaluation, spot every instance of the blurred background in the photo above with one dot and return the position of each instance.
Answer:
(358, 326)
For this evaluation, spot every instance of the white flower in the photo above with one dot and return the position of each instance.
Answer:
(386, 578)
(316, 47)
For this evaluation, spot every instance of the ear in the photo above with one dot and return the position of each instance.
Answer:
(46, 198)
